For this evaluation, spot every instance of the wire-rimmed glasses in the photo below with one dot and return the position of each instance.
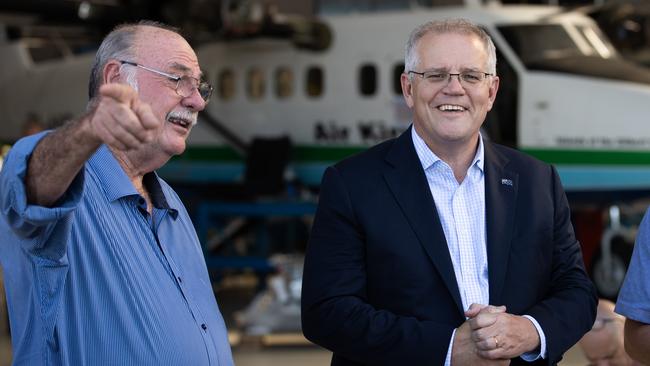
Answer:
(467, 79)
(185, 85)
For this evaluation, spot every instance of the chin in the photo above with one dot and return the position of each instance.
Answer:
(174, 146)
(178, 150)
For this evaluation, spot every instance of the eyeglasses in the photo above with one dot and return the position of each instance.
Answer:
(467, 79)
(185, 85)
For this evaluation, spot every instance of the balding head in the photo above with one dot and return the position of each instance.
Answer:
(119, 44)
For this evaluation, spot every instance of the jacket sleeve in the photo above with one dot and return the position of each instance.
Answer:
(568, 310)
(336, 313)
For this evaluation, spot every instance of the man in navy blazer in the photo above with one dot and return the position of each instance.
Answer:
(439, 247)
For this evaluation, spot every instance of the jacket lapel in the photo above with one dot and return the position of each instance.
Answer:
(406, 180)
(501, 187)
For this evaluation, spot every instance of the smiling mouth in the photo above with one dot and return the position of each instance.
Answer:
(180, 122)
(451, 108)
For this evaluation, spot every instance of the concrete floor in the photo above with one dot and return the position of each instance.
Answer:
(319, 357)
(294, 356)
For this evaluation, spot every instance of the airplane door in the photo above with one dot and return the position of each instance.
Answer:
(501, 122)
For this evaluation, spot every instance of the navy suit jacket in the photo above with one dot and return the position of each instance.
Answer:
(379, 286)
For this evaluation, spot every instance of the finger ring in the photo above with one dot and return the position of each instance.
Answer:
(496, 342)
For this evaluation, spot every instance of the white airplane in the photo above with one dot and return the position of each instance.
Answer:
(566, 97)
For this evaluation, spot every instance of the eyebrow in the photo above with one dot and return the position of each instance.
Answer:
(445, 69)
(184, 69)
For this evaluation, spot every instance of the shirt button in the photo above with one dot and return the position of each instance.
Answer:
(180, 279)
(204, 327)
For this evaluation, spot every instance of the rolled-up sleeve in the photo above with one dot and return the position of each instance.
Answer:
(32, 225)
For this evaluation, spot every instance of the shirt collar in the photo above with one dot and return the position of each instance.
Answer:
(152, 182)
(428, 158)
(116, 183)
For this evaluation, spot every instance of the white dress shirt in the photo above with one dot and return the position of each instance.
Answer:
(461, 209)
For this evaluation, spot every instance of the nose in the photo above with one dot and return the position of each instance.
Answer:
(194, 101)
(454, 85)
(451, 76)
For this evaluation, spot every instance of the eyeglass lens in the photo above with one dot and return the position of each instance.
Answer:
(186, 86)
(463, 77)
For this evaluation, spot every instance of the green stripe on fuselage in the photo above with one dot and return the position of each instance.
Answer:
(301, 153)
(310, 153)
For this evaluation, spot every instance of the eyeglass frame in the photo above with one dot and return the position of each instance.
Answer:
(462, 81)
(177, 79)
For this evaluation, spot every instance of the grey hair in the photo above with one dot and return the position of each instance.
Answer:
(454, 26)
(130, 76)
(118, 44)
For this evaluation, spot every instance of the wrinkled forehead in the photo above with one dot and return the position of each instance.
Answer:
(164, 49)
(445, 39)
(448, 48)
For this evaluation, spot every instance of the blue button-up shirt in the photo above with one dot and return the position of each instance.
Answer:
(634, 298)
(96, 280)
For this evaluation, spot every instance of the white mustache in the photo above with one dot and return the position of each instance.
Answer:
(185, 115)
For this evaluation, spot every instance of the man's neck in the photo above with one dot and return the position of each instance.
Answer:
(135, 169)
(458, 155)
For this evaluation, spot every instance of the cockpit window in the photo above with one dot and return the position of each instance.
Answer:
(577, 49)
(597, 40)
(536, 42)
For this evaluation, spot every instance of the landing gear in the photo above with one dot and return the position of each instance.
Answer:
(610, 263)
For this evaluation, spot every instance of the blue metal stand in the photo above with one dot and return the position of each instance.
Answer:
(210, 213)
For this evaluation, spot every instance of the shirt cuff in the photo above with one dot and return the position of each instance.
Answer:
(451, 346)
(533, 355)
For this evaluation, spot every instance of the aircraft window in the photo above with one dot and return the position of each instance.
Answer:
(397, 76)
(538, 42)
(571, 49)
(46, 52)
(597, 40)
(315, 81)
(542, 42)
(255, 84)
(226, 84)
(283, 82)
(368, 79)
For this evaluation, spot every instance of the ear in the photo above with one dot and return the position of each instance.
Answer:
(407, 89)
(494, 87)
(111, 72)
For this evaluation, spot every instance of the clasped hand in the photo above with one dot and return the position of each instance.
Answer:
(491, 336)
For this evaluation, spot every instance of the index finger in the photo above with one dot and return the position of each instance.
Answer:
(493, 309)
(474, 309)
(482, 320)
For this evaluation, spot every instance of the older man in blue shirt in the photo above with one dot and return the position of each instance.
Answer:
(102, 264)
